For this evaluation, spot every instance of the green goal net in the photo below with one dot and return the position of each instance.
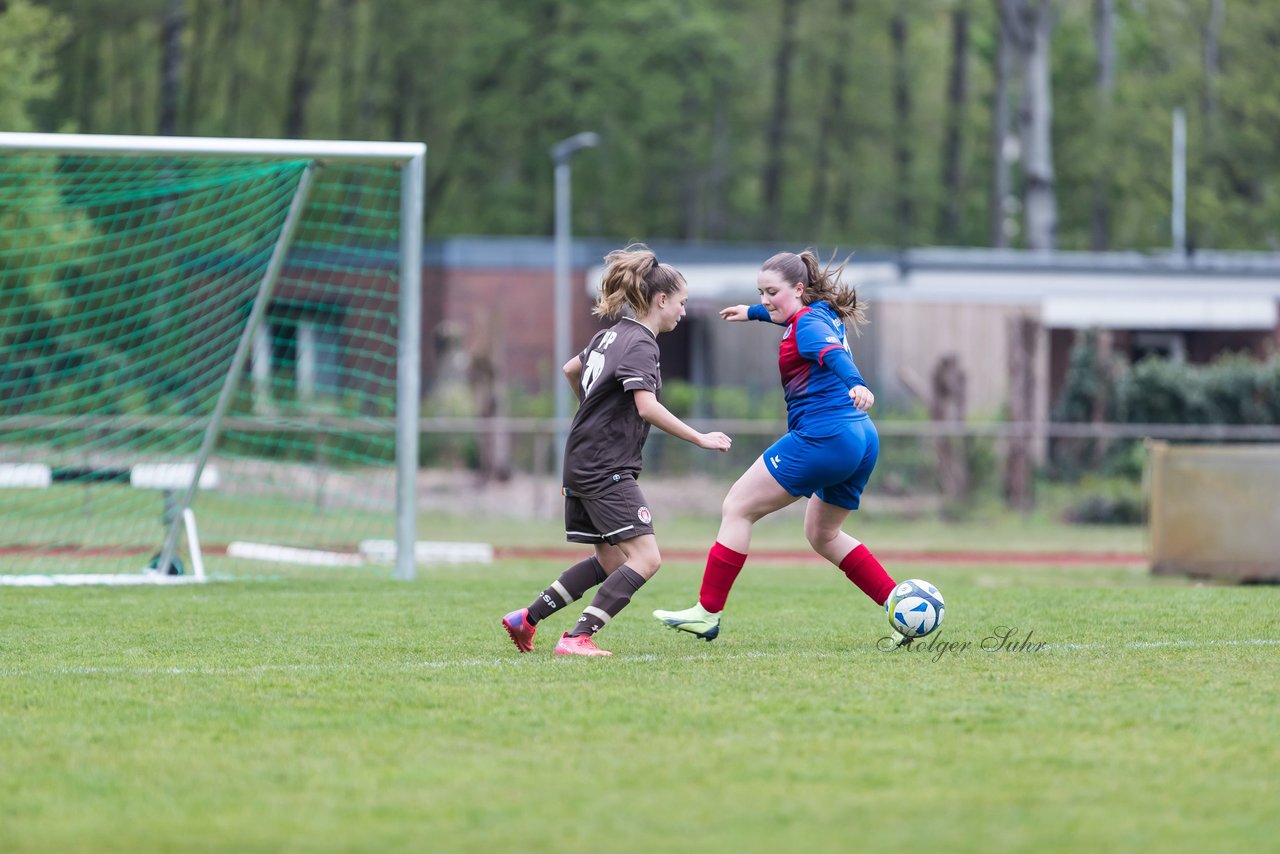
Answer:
(192, 325)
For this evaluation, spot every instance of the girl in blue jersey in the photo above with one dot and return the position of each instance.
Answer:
(828, 451)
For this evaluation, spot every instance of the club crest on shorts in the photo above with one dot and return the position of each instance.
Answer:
(645, 516)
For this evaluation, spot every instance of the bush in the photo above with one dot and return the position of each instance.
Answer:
(1111, 501)
(1234, 389)
(686, 400)
(1157, 391)
(1087, 380)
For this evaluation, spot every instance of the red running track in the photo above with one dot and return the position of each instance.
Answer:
(960, 556)
(569, 553)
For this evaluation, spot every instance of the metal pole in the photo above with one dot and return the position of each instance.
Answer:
(562, 309)
(256, 314)
(408, 365)
(560, 154)
(1179, 224)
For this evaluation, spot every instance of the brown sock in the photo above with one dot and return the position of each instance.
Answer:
(569, 587)
(611, 598)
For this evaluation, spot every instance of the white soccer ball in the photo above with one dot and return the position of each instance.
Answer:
(915, 608)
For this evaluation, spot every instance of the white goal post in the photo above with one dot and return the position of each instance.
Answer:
(96, 188)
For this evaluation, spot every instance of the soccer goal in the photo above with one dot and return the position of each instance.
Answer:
(234, 321)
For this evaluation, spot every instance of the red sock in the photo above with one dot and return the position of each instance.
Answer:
(723, 566)
(865, 571)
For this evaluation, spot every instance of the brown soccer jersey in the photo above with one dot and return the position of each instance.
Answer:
(607, 436)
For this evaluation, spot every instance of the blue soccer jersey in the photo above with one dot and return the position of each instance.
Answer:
(831, 446)
(816, 367)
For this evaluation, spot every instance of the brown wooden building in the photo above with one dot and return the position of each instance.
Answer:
(924, 304)
(488, 309)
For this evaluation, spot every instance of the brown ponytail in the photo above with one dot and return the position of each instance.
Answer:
(633, 276)
(820, 283)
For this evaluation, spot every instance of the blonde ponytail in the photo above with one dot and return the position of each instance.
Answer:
(633, 276)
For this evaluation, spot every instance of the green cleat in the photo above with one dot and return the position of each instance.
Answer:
(895, 640)
(696, 621)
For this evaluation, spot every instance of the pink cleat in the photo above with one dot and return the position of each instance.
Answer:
(579, 645)
(521, 630)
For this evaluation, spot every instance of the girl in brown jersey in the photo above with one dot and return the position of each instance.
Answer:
(617, 379)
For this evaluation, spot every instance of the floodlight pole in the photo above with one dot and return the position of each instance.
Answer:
(560, 154)
(1178, 225)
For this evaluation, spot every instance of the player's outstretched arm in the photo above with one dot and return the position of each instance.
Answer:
(652, 410)
(748, 312)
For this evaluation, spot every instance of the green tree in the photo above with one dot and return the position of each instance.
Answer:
(698, 144)
(29, 37)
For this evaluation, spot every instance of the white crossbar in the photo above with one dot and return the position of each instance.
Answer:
(131, 580)
(299, 148)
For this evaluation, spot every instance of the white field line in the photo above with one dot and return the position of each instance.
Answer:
(517, 660)
(132, 579)
(1170, 643)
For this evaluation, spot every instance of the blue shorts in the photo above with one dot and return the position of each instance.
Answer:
(833, 465)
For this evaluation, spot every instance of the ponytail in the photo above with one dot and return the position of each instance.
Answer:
(821, 283)
(633, 276)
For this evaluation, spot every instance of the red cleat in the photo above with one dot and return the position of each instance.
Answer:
(521, 630)
(579, 645)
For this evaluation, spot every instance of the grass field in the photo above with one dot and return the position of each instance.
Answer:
(351, 712)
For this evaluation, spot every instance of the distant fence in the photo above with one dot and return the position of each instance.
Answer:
(549, 426)
(946, 461)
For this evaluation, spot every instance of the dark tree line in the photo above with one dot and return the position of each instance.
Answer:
(1034, 123)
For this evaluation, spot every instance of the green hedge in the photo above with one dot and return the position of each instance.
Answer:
(1233, 389)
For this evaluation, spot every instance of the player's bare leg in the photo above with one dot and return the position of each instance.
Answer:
(755, 495)
(822, 528)
(752, 497)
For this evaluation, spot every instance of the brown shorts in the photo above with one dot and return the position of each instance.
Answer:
(619, 514)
